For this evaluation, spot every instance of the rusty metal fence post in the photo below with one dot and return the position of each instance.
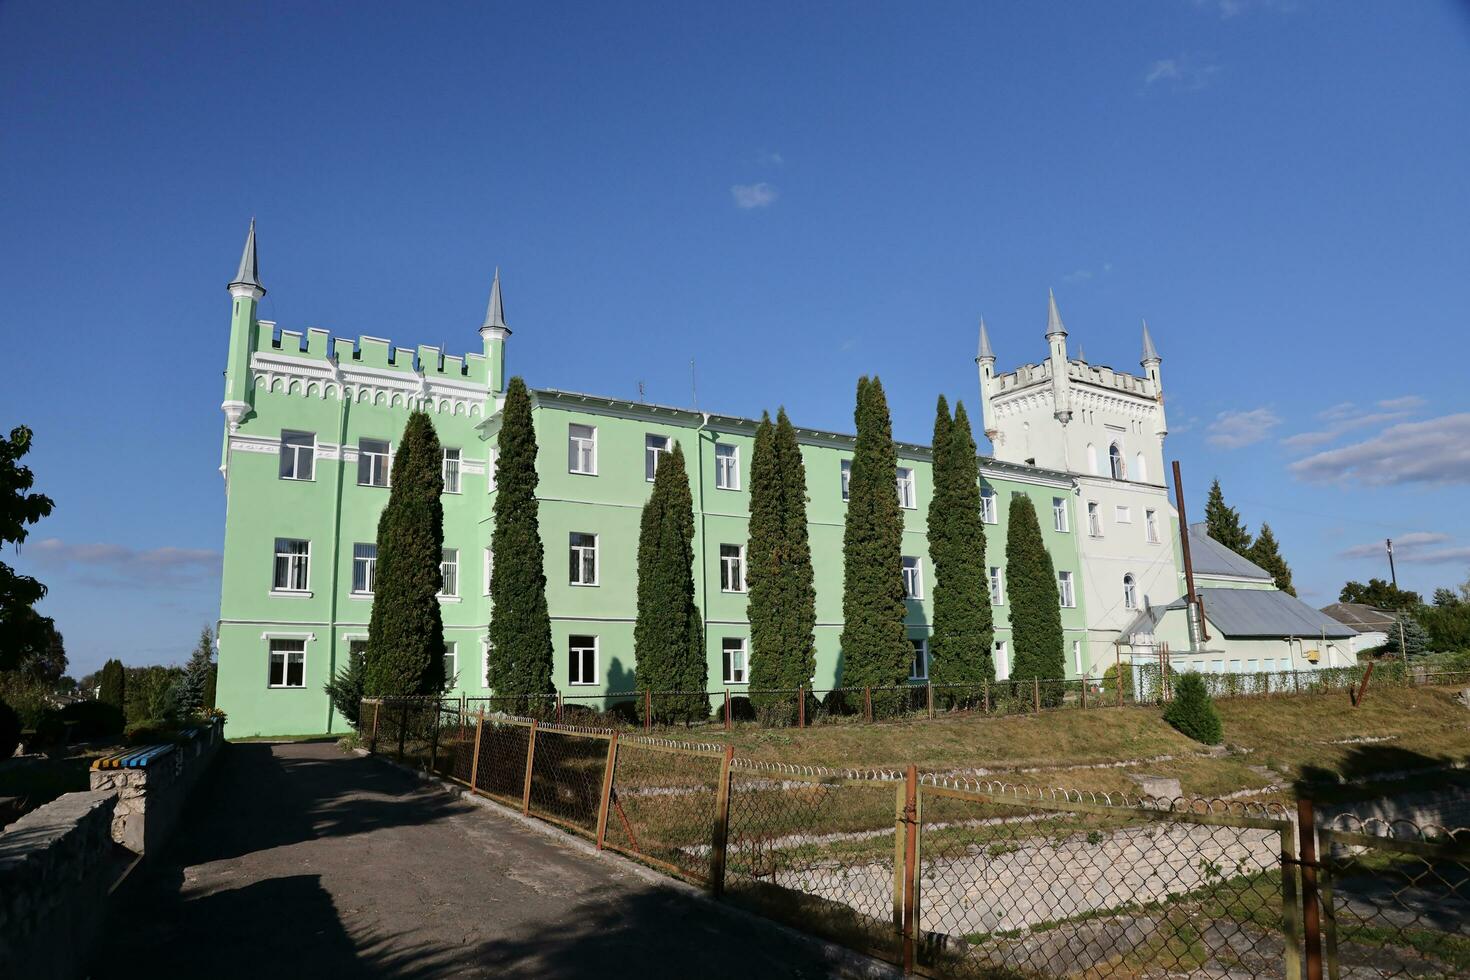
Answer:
(722, 826)
(929, 688)
(607, 784)
(475, 759)
(436, 718)
(727, 709)
(867, 703)
(1083, 689)
(647, 711)
(1311, 920)
(530, 759)
(559, 708)
(910, 865)
(801, 706)
(1036, 692)
(373, 742)
(986, 686)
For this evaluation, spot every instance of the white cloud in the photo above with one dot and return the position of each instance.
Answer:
(1435, 452)
(121, 566)
(1236, 430)
(1187, 72)
(1166, 69)
(1346, 416)
(1414, 548)
(770, 158)
(747, 196)
(1404, 404)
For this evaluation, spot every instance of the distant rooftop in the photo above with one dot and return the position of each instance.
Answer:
(1210, 557)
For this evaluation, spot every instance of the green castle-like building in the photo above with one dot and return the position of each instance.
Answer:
(311, 423)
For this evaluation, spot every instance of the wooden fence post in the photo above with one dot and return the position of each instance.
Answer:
(1363, 689)
(475, 759)
(1083, 689)
(463, 707)
(910, 865)
(727, 709)
(373, 742)
(801, 706)
(1036, 692)
(530, 758)
(929, 687)
(607, 785)
(986, 687)
(559, 708)
(722, 826)
(867, 702)
(647, 711)
(1307, 829)
(434, 738)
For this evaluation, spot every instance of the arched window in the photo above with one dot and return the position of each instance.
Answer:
(1092, 460)
(1130, 593)
(1115, 459)
(1140, 469)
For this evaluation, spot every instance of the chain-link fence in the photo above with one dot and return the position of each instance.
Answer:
(1395, 898)
(959, 878)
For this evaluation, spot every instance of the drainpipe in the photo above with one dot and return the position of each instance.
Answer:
(336, 540)
(703, 555)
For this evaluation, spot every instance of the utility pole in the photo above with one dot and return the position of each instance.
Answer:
(1197, 630)
(1391, 573)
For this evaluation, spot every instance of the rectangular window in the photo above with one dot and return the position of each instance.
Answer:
(654, 447)
(1064, 590)
(1151, 526)
(907, 498)
(372, 463)
(732, 650)
(1077, 656)
(364, 568)
(582, 449)
(1002, 662)
(582, 560)
(987, 506)
(298, 453)
(293, 564)
(1252, 666)
(727, 466)
(732, 568)
(1094, 519)
(356, 648)
(1059, 513)
(487, 650)
(492, 469)
(1218, 666)
(451, 470)
(581, 660)
(288, 663)
(1122, 515)
(449, 569)
(846, 477)
(913, 578)
(919, 663)
(451, 664)
(489, 569)
(997, 586)
(1235, 666)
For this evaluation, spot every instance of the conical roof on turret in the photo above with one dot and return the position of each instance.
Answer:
(249, 272)
(495, 312)
(1053, 316)
(1149, 354)
(984, 351)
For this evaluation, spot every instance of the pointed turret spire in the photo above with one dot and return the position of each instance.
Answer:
(1053, 316)
(1149, 354)
(495, 313)
(985, 350)
(249, 273)
(1081, 354)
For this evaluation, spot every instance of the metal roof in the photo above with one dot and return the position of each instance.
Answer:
(1360, 616)
(1149, 354)
(1210, 557)
(1248, 613)
(249, 272)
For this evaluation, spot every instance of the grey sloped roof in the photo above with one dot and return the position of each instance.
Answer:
(1245, 613)
(1267, 612)
(1210, 557)
(1360, 616)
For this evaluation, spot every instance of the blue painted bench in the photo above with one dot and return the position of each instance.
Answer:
(139, 758)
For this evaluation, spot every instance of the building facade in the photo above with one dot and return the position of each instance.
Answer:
(311, 424)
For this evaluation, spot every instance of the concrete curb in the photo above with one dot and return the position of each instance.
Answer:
(844, 962)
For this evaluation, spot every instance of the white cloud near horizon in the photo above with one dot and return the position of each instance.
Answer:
(1434, 451)
(1347, 416)
(747, 196)
(118, 566)
(1236, 430)
(1414, 548)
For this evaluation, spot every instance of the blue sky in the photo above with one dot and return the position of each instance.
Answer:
(790, 194)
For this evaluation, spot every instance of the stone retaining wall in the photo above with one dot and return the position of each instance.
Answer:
(150, 799)
(1448, 808)
(56, 866)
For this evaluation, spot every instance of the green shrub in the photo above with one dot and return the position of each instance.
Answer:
(1110, 682)
(92, 719)
(9, 730)
(1192, 712)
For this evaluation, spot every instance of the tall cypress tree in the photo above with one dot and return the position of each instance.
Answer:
(875, 646)
(1036, 611)
(963, 624)
(1266, 553)
(113, 684)
(405, 654)
(783, 601)
(668, 636)
(1223, 522)
(520, 623)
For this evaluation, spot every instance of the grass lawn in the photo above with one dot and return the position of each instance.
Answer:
(1273, 743)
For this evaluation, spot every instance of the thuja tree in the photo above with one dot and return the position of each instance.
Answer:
(520, 624)
(112, 685)
(1223, 523)
(346, 689)
(1036, 612)
(1192, 712)
(405, 654)
(782, 607)
(875, 647)
(194, 686)
(668, 636)
(963, 625)
(20, 630)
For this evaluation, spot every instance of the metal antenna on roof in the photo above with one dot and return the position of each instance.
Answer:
(641, 397)
(693, 386)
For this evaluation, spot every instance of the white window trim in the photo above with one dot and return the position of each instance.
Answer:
(668, 448)
(1130, 583)
(455, 595)
(734, 467)
(998, 597)
(492, 468)
(844, 486)
(596, 661)
(596, 560)
(593, 439)
(918, 567)
(290, 593)
(1094, 519)
(458, 469)
(1077, 656)
(923, 642)
(306, 640)
(387, 457)
(744, 660)
(913, 488)
(1059, 520)
(451, 650)
(723, 560)
(296, 455)
(1002, 657)
(488, 569)
(1151, 526)
(1071, 589)
(989, 508)
(1122, 514)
